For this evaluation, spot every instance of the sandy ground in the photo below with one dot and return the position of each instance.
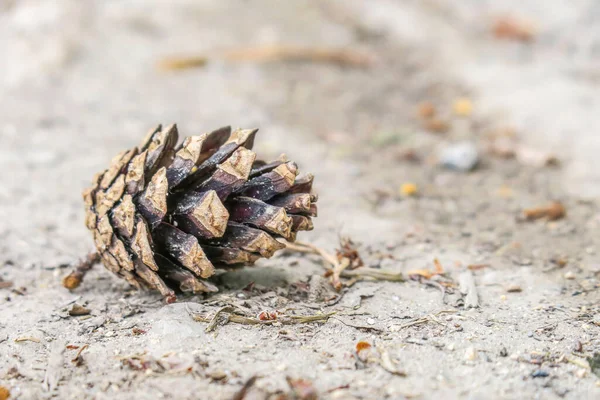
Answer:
(78, 83)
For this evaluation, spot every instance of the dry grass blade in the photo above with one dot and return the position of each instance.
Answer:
(275, 53)
(426, 319)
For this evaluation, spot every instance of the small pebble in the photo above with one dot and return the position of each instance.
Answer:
(514, 289)
(539, 373)
(462, 156)
(471, 354)
(569, 275)
(370, 321)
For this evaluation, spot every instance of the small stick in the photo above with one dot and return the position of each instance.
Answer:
(241, 394)
(74, 279)
(273, 53)
(373, 273)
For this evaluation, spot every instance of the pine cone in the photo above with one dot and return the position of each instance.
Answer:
(165, 216)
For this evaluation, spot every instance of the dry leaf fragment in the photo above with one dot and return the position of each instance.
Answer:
(302, 389)
(4, 393)
(512, 28)
(426, 273)
(267, 315)
(552, 212)
(362, 346)
(5, 284)
(78, 310)
(349, 251)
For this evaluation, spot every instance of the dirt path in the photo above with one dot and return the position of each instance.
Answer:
(79, 83)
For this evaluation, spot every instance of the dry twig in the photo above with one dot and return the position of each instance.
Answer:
(74, 279)
(231, 316)
(274, 53)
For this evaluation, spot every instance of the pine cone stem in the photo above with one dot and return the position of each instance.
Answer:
(74, 279)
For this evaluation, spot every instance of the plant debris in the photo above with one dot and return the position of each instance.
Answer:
(513, 28)
(27, 339)
(73, 280)
(348, 251)
(5, 284)
(337, 269)
(302, 389)
(78, 359)
(426, 273)
(551, 212)
(241, 394)
(4, 393)
(377, 355)
(238, 316)
(78, 310)
(274, 53)
(167, 364)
